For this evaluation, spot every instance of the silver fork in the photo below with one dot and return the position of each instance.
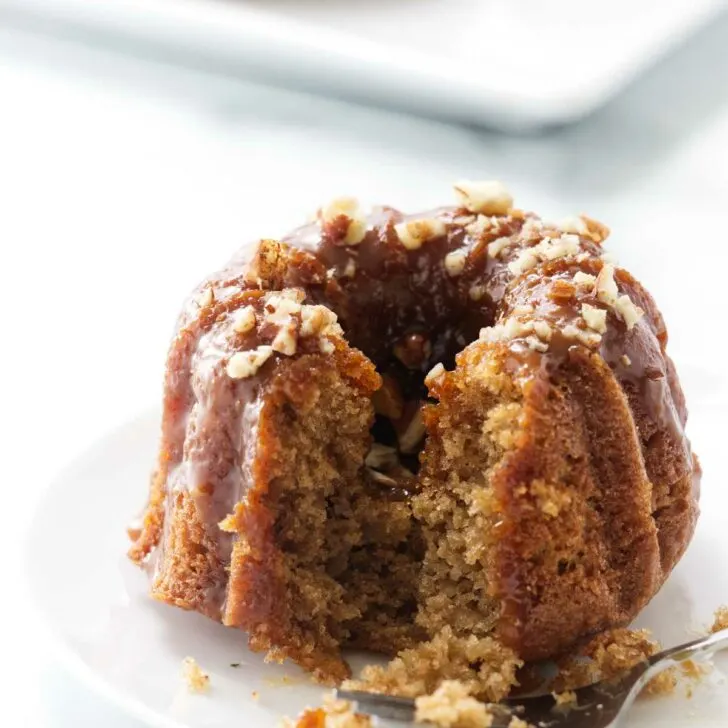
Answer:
(601, 705)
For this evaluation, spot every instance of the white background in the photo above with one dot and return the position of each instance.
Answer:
(122, 182)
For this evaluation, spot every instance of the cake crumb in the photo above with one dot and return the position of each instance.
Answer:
(483, 665)
(551, 499)
(721, 619)
(662, 684)
(604, 657)
(255, 695)
(197, 680)
(608, 656)
(452, 706)
(332, 713)
(568, 697)
(517, 722)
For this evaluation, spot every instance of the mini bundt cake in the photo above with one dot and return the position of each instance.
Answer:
(457, 428)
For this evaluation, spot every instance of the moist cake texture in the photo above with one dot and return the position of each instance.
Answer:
(456, 436)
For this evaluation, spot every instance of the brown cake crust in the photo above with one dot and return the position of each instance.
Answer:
(557, 488)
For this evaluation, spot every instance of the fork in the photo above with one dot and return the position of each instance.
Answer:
(601, 705)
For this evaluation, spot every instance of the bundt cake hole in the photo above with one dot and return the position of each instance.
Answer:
(472, 427)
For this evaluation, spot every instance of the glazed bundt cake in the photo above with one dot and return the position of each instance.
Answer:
(457, 430)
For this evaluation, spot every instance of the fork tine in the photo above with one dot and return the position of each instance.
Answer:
(385, 706)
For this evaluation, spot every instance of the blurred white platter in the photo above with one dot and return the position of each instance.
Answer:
(129, 648)
(510, 63)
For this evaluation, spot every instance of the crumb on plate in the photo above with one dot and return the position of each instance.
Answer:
(721, 619)
(452, 706)
(332, 714)
(198, 681)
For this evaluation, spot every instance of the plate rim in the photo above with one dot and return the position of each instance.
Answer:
(61, 649)
(232, 39)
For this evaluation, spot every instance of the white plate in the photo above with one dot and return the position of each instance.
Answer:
(130, 648)
(515, 63)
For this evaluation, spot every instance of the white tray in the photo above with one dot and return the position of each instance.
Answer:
(514, 63)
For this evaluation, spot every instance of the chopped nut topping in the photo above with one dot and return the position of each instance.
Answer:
(455, 262)
(415, 232)
(435, 375)
(596, 318)
(526, 260)
(585, 280)
(381, 457)
(388, 400)
(511, 329)
(197, 680)
(547, 249)
(244, 320)
(313, 320)
(381, 478)
(625, 360)
(542, 330)
(561, 291)
(206, 298)
(524, 308)
(536, 344)
(597, 231)
(628, 311)
(279, 309)
(588, 338)
(413, 434)
(574, 225)
(285, 341)
(317, 320)
(481, 224)
(488, 197)
(562, 247)
(350, 269)
(607, 292)
(498, 246)
(606, 286)
(571, 332)
(326, 346)
(244, 364)
(533, 227)
(476, 292)
(346, 207)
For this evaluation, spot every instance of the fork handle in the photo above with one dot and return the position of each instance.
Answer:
(703, 647)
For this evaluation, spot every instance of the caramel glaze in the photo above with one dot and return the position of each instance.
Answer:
(644, 539)
(406, 312)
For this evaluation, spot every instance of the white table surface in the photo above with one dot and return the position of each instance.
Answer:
(121, 182)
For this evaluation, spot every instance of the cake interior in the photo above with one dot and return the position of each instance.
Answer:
(350, 548)
(377, 556)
